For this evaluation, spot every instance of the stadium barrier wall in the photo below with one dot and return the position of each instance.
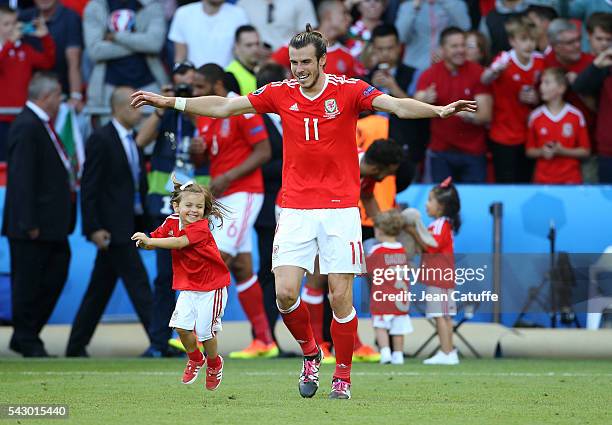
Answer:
(581, 214)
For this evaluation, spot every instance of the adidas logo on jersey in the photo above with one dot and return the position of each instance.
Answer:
(294, 107)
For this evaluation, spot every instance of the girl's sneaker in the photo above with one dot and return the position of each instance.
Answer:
(192, 370)
(214, 375)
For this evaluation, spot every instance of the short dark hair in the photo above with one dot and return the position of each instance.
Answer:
(449, 31)
(384, 30)
(270, 72)
(212, 72)
(231, 83)
(543, 12)
(384, 152)
(241, 29)
(599, 20)
(558, 74)
(309, 37)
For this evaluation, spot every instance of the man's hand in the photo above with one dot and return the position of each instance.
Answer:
(197, 151)
(550, 150)
(571, 77)
(17, 33)
(101, 238)
(458, 106)
(382, 78)
(41, 27)
(430, 94)
(142, 98)
(142, 240)
(77, 104)
(34, 233)
(218, 185)
(604, 59)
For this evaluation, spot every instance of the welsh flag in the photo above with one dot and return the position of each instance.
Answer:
(68, 130)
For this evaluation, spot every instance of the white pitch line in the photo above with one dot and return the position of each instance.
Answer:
(456, 374)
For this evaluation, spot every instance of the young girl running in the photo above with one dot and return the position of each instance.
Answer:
(199, 274)
(443, 205)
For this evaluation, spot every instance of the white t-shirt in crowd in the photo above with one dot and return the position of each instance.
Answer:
(288, 18)
(209, 38)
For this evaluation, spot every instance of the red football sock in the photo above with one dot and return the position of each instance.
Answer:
(358, 342)
(313, 300)
(213, 362)
(297, 320)
(343, 333)
(195, 356)
(251, 299)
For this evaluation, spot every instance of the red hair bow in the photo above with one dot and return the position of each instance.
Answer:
(447, 181)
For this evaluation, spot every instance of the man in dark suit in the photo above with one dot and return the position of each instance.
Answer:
(113, 189)
(393, 77)
(38, 214)
(266, 220)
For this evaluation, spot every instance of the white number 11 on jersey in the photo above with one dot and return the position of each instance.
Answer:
(315, 124)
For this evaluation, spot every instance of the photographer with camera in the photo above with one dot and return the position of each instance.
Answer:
(17, 63)
(174, 135)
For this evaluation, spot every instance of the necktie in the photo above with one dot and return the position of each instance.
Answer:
(135, 168)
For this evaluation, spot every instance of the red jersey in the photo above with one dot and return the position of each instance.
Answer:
(550, 61)
(17, 63)
(229, 142)
(439, 262)
(385, 256)
(199, 266)
(339, 60)
(567, 127)
(510, 115)
(320, 164)
(454, 134)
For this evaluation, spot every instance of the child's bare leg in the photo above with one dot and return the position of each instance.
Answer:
(210, 346)
(397, 343)
(382, 337)
(188, 339)
(445, 333)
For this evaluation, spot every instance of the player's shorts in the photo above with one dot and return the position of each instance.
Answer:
(236, 235)
(333, 234)
(396, 324)
(200, 310)
(443, 304)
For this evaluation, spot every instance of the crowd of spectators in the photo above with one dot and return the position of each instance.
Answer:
(433, 50)
(539, 71)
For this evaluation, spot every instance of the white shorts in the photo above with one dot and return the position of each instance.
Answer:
(443, 305)
(236, 234)
(333, 234)
(395, 324)
(201, 311)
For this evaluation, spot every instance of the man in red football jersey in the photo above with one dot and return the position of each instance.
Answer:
(321, 187)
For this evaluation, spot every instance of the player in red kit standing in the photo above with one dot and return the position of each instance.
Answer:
(237, 147)
(320, 188)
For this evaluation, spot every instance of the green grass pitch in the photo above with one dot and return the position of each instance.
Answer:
(142, 391)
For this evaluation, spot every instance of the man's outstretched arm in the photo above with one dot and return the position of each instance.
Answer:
(411, 108)
(209, 106)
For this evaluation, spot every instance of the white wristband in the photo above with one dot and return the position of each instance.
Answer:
(180, 103)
